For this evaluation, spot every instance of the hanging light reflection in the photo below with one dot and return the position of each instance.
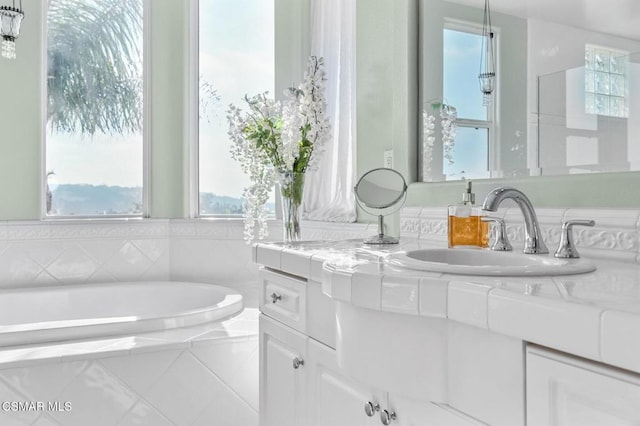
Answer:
(487, 76)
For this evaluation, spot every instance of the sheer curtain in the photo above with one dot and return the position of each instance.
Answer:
(329, 186)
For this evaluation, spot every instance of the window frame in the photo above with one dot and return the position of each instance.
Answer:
(146, 120)
(493, 112)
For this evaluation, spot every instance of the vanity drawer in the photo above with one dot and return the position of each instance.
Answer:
(283, 298)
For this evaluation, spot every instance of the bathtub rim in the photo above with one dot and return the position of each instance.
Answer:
(71, 330)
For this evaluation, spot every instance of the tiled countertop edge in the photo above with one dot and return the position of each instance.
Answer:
(597, 333)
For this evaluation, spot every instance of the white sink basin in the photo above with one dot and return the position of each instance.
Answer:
(489, 263)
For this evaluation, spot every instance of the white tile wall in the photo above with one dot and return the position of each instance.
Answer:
(49, 253)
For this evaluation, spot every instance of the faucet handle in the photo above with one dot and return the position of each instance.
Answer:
(566, 248)
(502, 242)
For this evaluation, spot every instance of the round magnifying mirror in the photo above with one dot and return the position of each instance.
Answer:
(381, 191)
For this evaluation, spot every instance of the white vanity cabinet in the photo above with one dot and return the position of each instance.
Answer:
(566, 391)
(354, 341)
(300, 381)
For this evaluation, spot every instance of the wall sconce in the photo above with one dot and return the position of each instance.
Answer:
(487, 76)
(10, 20)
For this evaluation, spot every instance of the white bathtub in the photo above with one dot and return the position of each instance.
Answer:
(52, 314)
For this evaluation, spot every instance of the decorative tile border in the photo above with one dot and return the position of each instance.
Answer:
(616, 235)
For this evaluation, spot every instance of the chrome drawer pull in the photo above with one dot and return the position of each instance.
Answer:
(387, 417)
(370, 408)
(275, 297)
(298, 362)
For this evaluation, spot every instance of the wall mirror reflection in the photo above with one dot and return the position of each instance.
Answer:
(566, 98)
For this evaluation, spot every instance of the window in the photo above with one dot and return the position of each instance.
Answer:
(606, 81)
(94, 138)
(470, 154)
(236, 58)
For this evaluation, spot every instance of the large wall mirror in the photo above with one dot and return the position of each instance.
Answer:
(568, 89)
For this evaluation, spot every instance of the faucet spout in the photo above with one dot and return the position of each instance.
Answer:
(533, 242)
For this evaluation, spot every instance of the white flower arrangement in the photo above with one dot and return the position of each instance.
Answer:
(274, 138)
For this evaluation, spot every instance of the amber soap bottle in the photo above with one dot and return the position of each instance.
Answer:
(466, 227)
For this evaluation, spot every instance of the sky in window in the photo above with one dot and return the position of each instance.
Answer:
(461, 68)
(237, 58)
(462, 90)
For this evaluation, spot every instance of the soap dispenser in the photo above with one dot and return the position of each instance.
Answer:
(466, 227)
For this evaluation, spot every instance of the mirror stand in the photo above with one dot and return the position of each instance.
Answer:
(381, 238)
(378, 192)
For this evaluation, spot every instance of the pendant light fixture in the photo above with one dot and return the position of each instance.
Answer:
(487, 76)
(10, 20)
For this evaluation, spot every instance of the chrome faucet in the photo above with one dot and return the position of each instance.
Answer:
(533, 242)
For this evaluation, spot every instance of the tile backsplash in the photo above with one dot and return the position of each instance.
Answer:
(44, 253)
(73, 252)
(615, 236)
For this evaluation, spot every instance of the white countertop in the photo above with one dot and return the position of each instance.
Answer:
(594, 315)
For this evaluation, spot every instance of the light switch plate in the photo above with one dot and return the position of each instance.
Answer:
(388, 159)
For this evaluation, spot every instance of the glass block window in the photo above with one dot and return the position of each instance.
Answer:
(606, 82)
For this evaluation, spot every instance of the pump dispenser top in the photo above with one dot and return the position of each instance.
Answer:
(468, 197)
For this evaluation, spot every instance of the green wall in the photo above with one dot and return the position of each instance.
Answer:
(20, 122)
(168, 106)
(603, 190)
(386, 84)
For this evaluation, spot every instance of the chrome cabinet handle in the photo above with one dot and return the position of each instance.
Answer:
(275, 297)
(387, 417)
(370, 408)
(298, 362)
(566, 248)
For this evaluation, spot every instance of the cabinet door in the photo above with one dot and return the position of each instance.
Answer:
(567, 391)
(335, 399)
(282, 374)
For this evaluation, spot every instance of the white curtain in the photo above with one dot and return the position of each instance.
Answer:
(328, 194)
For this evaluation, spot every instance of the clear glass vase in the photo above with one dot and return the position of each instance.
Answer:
(291, 187)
